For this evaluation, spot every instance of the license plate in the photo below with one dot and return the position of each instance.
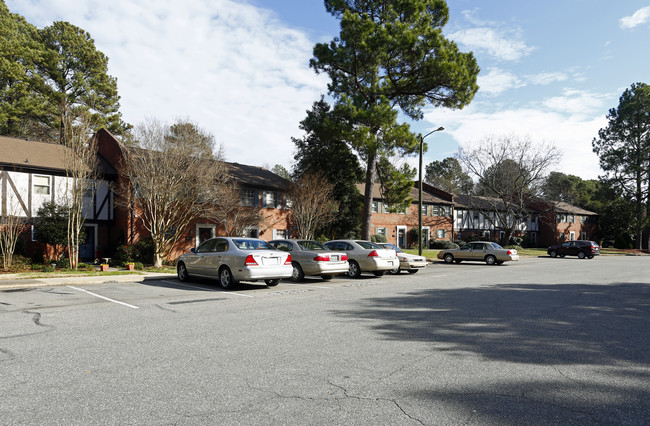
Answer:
(334, 258)
(271, 261)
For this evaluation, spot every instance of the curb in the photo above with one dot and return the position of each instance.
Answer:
(100, 279)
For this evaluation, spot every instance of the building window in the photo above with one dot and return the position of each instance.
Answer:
(375, 206)
(424, 209)
(441, 233)
(562, 236)
(486, 235)
(561, 218)
(41, 184)
(269, 199)
(571, 218)
(280, 234)
(248, 198)
(381, 231)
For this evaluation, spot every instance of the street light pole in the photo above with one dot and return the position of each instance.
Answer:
(420, 190)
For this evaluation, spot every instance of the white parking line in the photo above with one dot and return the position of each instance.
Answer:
(102, 297)
(206, 289)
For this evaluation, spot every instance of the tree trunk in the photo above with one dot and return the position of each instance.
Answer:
(367, 196)
(157, 260)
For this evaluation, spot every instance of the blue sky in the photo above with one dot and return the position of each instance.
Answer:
(549, 70)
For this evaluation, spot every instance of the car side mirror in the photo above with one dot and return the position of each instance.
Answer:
(193, 250)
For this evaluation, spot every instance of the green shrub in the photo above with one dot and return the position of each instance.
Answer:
(623, 241)
(442, 244)
(138, 266)
(378, 238)
(47, 268)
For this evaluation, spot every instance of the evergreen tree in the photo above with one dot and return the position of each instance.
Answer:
(390, 55)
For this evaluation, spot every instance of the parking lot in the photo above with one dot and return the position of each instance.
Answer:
(537, 341)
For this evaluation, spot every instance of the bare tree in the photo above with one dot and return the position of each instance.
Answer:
(11, 226)
(81, 170)
(510, 172)
(171, 179)
(227, 210)
(312, 204)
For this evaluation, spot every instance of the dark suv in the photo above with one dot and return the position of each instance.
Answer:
(580, 248)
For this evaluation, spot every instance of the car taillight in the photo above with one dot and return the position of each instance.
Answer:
(250, 261)
(325, 258)
(509, 252)
(373, 254)
(288, 261)
(344, 257)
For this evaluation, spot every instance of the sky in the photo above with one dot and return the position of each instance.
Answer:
(550, 71)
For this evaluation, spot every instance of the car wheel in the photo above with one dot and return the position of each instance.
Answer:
(449, 258)
(354, 271)
(181, 270)
(297, 274)
(326, 277)
(581, 255)
(395, 271)
(379, 273)
(552, 253)
(226, 280)
(490, 260)
(413, 271)
(272, 283)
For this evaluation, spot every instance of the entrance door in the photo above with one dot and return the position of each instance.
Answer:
(87, 249)
(401, 237)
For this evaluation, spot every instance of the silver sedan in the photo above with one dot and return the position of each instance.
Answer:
(312, 258)
(482, 251)
(231, 260)
(365, 256)
(407, 261)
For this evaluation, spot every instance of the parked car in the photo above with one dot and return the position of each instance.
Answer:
(365, 256)
(483, 251)
(407, 262)
(581, 248)
(231, 260)
(312, 258)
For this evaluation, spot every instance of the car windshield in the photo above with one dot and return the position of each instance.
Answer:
(251, 244)
(311, 245)
(368, 245)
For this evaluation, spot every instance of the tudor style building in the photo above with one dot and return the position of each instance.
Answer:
(33, 173)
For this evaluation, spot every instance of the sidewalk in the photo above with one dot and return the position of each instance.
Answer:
(9, 281)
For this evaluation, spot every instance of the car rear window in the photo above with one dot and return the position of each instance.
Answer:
(368, 245)
(251, 244)
(311, 245)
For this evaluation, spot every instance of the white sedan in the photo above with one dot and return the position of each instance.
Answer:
(365, 256)
(407, 262)
(231, 260)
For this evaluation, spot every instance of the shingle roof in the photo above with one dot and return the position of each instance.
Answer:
(21, 154)
(474, 202)
(257, 177)
(562, 207)
(427, 197)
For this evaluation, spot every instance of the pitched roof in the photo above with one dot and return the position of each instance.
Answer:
(427, 197)
(257, 177)
(562, 207)
(21, 154)
(475, 202)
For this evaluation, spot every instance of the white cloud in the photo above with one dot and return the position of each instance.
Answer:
(577, 102)
(232, 68)
(506, 46)
(639, 17)
(497, 81)
(572, 134)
